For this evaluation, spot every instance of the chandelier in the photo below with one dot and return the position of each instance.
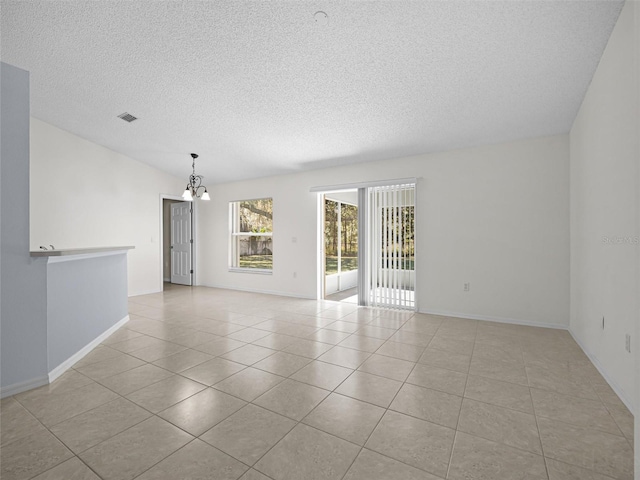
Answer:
(195, 184)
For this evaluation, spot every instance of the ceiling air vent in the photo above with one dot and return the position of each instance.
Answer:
(127, 117)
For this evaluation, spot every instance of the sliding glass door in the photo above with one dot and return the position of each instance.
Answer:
(388, 246)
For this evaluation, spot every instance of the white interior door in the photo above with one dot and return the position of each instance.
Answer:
(181, 243)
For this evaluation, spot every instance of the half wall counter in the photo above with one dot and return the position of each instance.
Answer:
(87, 300)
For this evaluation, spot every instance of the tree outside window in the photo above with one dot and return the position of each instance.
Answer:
(343, 237)
(397, 238)
(252, 234)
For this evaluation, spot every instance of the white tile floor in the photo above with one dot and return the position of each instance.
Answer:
(206, 383)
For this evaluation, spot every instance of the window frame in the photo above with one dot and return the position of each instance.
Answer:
(235, 234)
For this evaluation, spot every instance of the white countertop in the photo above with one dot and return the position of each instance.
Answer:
(62, 252)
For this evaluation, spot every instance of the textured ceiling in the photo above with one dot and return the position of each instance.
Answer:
(259, 88)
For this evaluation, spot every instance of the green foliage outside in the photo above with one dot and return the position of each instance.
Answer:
(351, 263)
(397, 237)
(256, 215)
(348, 263)
(405, 263)
(348, 241)
(256, 261)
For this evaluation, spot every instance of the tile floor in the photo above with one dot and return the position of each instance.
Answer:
(206, 383)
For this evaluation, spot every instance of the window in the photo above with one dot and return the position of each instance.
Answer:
(251, 223)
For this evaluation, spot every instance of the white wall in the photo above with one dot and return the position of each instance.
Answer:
(495, 216)
(604, 204)
(85, 195)
(23, 300)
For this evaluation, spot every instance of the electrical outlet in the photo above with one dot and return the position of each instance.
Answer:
(295, 274)
(466, 287)
(627, 343)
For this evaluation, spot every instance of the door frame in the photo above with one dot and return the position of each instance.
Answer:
(194, 235)
(341, 203)
(321, 279)
(320, 190)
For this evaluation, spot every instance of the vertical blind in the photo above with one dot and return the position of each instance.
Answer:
(390, 254)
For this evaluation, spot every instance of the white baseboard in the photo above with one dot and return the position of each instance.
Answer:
(624, 396)
(137, 294)
(23, 386)
(249, 290)
(60, 369)
(266, 292)
(494, 319)
(69, 362)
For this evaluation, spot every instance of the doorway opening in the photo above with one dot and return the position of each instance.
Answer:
(340, 276)
(177, 242)
(366, 234)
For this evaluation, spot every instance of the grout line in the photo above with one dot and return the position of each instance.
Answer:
(453, 447)
(164, 458)
(535, 416)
